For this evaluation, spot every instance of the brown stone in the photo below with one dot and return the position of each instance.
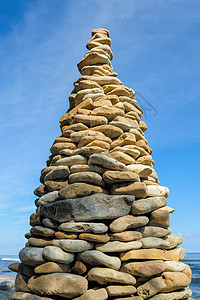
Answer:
(126, 236)
(127, 222)
(100, 144)
(151, 287)
(112, 177)
(120, 290)
(56, 148)
(63, 235)
(21, 283)
(35, 220)
(160, 218)
(85, 140)
(79, 268)
(90, 120)
(124, 139)
(55, 185)
(52, 267)
(137, 189)
(109, 112)
(122, 157)
(40, 190)
(87, 177)
(79, 189)
(175, 281)
(144, 268)
(97, 238)
(109, 130)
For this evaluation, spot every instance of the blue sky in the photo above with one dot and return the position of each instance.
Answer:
(156, 52)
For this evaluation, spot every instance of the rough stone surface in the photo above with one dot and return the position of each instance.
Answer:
(143, 206)
(151, 287)
(84, 227)
(144, 268)
(127, 222)
(32, 256)
(79, 189)
(95, 207)
(56, 254)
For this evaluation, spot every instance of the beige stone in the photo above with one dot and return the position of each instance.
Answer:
(160, 218)
(153, 231)
(151, 287)
(109, 112)
(112, 177)
(52, 267)
(106, 275)
(175, 255)
(39, 242)
(100, 144)
(86, 168)
(187, 271)
(124, 139)
(97, 238)
(56, 148)
(87, 177)
(108, 130)
(127, 222)
(98, 294)
(79, 189)
(120, 290)
(79, 268)
(88, 151)
(132, 152)
(85, 140)
(175, 281)
(145, 160)
(137, 189)
(92, 59)
(122, 157)
(181, 294)
(89, 120)
(144, 268)
(154, 191)
(142, 171)
(55, 185)
(117, 246)
(143, 206)
(72, 160)
(101, 102)
(104, 161)
(126, 236)
(154, 242)
(102, 80)
(77, 136)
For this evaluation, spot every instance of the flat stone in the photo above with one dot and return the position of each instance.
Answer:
(102, 80)
(56, 148)
(174, 241)
(151, 287)
(109, 112)
(47, 198)
(174, 255)
(39, 242)
(79, 189)
(181, 294)
(42, 231)
(77, 136)
(97, 258)
(175, 281)
(130, 298)
(84, 227)
(32, 256)
(73, 246)
(60, 172)
(59, 284)
(86, 168)
(126, 236)
(122, 157)
(127, 222)
(72, 160)
(90, 120)
(108, 130)
(160, 218)
(106, 275)
(97, 238)
(52, 267)
(96, 207)
(106, 162)
(65, 235)
(117, 246)
(174, 266)
(153, 231)
(154, 242)
(85, 140)
(14, 267)
(88, 177)
(137, 189)
(112, 177)
(56, 254)
(101, 144)
(143, 206)
(83, 94)
(99, 294)
(145, 160)
(55, 185)
(132, 152)
(120, 290)
(144, 268)
(157, 190)
(126, 138)
(142, 171)
(88, 151)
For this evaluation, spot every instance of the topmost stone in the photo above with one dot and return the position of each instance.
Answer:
(100, 30)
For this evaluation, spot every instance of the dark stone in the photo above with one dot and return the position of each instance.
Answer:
(95, 207)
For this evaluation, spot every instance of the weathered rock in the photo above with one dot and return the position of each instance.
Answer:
(106, 162)
(153, 231)
(48, 198)
(109, 112)
(143, 206)
(40, 242)
(128, 222)
(174, 241)
(142, 171)
(181, 294)
(132, 152)
(77, 136)
(174, 255)
(88, 177)
(84, 227)
(50, 223)
(117, 246)
(86, 168)
(73, 246)
(97, 258)
(72, 160)
(56, 148)
(106, 275)
(55, 185)
(160, 218)
(151, 287)
(64, 235)
(154, 242)
(42, 231)
(122, 157)
(58, 284)
(90, 120)
(95, 207)
(99, 294)
(35, 220)
(108, 130)
(157, 190)
(144, 268)
(175, 281)
(85, 140)
(21, 283)
(124, 139)
(52, 267)
(56, 254)
(79, 189)
(79, 268)
(137, 189)
(112, 177)
(174, 266)
(31, 256)
(126, 236)
(97, 238)
(60, 172)
(120, 290)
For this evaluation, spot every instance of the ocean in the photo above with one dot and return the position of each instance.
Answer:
(192, 259)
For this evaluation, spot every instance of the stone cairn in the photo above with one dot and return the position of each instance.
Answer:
(101, 227)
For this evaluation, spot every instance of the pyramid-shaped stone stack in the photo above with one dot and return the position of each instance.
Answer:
(101, 227)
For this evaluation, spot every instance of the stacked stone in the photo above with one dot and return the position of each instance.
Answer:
(101, 227)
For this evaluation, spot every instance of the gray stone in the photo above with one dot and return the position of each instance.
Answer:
(143, 206)
(96, 207)
(53, 253)
(47, 198)
(74, 245)
(42, 231)
(153, 231)
(117, 246)
(97, 258)
(88, 177)
(174, 266)
(106, 162)
(32, 256)
(60, 172)
(154, 242)
(84, 227)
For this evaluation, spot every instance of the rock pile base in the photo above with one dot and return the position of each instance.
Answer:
(101, 226)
